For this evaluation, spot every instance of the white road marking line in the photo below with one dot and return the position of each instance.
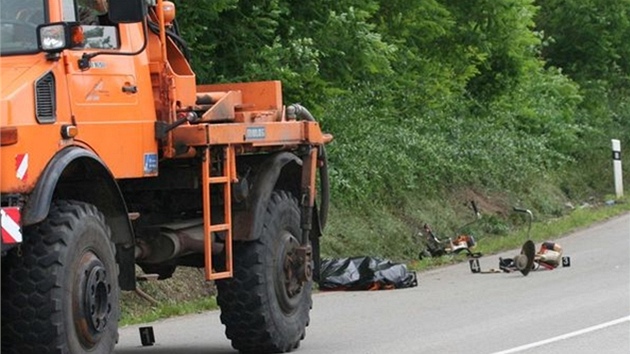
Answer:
(565, 336)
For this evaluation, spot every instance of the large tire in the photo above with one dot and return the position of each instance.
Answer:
(264, 308)
(61, 294)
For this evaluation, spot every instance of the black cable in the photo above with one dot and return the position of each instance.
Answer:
(179, 41)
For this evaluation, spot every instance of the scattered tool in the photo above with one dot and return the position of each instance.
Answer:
(548, 257)
(462, 243)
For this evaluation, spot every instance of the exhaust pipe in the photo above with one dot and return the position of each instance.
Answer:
(168, 241)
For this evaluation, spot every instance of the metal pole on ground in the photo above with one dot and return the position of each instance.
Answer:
(616, 153)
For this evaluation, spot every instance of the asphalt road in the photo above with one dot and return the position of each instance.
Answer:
(581, 309)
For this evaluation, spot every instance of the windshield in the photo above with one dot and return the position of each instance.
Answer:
(18, 23)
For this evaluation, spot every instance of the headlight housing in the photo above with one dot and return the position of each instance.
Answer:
(55, 37)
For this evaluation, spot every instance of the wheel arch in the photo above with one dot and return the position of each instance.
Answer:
(282, 170)
(79, 174)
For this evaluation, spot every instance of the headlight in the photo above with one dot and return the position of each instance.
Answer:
(55, 37)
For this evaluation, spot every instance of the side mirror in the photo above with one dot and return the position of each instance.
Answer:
(127, 11)
(55, 37)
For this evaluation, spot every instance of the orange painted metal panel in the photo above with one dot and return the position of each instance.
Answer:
(121, 146)
(22, 163)
(257, 96)
(263, 134)
(37, 143)
(224, 107)
(117, 125)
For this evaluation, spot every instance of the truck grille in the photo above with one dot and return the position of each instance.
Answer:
(45, 103)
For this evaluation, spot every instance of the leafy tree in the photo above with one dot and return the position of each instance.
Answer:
(588, 39)
(428, 71)
(317, 49)
(195, 19)
(499, 39)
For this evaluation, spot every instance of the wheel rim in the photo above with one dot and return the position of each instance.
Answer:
(93, 300)
(288, 284)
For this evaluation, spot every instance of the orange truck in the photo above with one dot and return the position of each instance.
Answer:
(113, 159)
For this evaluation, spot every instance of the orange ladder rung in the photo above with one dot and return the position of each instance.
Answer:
(219, 227)
(219, 180)
(220, 275)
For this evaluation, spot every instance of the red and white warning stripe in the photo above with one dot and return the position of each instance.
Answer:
(10, 220)
(21, 167)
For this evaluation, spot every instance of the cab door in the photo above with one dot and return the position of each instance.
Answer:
(110, 94)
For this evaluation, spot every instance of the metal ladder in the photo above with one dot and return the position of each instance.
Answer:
(227, 167)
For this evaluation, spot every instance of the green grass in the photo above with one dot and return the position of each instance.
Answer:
(169, 309)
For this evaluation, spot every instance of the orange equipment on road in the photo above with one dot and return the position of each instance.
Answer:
(112, 156)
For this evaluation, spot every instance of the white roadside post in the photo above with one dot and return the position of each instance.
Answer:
(616, 152)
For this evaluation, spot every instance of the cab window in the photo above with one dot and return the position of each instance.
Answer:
(18, 25)
(99, 32)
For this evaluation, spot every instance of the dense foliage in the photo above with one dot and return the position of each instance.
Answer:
(429, 96)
